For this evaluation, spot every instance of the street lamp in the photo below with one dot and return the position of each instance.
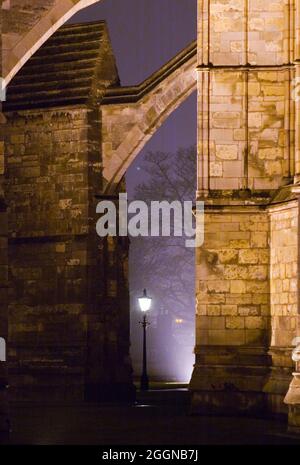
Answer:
(145, 304)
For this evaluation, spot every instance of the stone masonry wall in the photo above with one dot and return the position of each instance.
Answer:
(232, 285)
(247, 133)
(47, 194)
(263, 25)
(233, 310)
(284, 298)
(245, 119)
(248, 138)
(63, 333)
(284, 273)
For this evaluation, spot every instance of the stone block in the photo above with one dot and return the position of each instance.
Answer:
(237, 287)
(254, 322)
(248, 310)
(227, 152)
(213, 310)
(228, 256)
(235, 322)
(248, 256)
(259, 239)
(229, 310)
(218, 286)
(216, 169)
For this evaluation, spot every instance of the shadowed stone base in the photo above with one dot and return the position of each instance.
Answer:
(294, 419)
(68, 390)
(253, 391)
(230, 381)
(228, 403)
(4, 410)
(231, 400)
(239, 403)
(121, 392)
(276, 388)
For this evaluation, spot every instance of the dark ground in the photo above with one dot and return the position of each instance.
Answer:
(160, 417)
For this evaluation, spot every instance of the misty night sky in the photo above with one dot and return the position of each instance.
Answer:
(145, 34)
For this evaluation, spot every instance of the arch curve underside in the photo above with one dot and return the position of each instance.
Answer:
(146, 106)
(28, 25)
(131, 115)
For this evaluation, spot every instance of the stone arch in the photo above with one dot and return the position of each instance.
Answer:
(130, 116)
(22, 41)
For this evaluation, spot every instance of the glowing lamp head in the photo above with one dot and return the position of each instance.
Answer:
(145, 302)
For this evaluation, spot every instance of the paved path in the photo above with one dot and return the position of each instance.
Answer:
(161, 418)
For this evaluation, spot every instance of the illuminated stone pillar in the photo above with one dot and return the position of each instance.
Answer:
(245, 155)
(203, 132)
(297, 120)
(203, 73)
(297, 92)
(292, 398)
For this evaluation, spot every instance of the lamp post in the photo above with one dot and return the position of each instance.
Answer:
(145, 304)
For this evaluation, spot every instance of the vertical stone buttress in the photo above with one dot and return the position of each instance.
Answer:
(68, 307)
(296, 75)
(292, 399)
(284, 230)
(4, 422)
(246, 160)
(68, 301)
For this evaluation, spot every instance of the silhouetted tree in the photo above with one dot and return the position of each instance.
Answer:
(164, 264)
